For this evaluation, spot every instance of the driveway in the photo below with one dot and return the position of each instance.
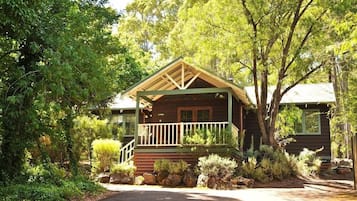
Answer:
(310, 192)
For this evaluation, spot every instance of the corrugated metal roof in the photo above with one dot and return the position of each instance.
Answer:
(121, 102)
(300, 94)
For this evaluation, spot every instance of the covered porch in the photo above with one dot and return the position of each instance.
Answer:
(186, 106)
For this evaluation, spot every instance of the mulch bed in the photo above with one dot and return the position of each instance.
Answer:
(292, 182)
(327, 178)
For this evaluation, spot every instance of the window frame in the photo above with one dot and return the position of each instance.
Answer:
(303, 122)
(123, 123)
(194, 110)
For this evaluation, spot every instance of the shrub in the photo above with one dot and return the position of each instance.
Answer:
(208, 137)
(86, 129)
(45, 173)
(268, 164)
(214, 165)
(124, 168)
(178, 167)
(70, 188)
(308, 164)
(172, 167)
(105, 153)
(161, 165)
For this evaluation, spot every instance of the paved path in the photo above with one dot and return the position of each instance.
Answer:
(157, 193)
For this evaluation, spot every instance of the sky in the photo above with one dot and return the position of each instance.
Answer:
(119, 4)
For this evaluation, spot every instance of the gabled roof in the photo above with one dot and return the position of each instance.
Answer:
(179, 75)
(301, 94)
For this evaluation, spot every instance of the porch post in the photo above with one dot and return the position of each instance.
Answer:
(230, 111)
(137, 118)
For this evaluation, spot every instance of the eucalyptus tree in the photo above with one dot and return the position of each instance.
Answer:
(274, 43)
(145, 27)
(342, 62)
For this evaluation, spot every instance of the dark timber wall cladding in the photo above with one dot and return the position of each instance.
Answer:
(311, 142)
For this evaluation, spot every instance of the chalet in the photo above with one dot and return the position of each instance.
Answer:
(180, 103)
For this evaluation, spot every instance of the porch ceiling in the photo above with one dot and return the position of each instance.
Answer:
(179, 75)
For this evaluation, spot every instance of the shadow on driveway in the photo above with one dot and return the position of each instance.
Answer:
(165, 196)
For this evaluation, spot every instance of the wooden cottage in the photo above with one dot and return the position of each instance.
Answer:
(179, 103)
(313, 130)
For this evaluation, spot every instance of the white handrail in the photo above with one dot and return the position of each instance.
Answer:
(127, 152)
(173, 134)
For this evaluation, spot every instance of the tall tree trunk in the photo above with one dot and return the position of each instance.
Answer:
(73, 163)
(339, 78)
(354, 159)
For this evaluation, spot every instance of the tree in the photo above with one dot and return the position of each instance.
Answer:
(343, 59)
(280, 43)
(56, 60)
(86, 129)
(145, 28)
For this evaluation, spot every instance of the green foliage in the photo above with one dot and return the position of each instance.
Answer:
(271, 165)
(86, 129)
(268, 164)
(68, 189)
(124, 168)
(45, 173)
(145, 26)
(214, 165)
(178, 167)
(208, 137)
(172, 167)
(161, 165)
(308, 163)
(288, 117)
(31, 192)
(47, 182)
(105, 153)
(44, 80)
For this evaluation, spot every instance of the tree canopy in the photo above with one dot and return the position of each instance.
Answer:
(262, 43)
(56, 57)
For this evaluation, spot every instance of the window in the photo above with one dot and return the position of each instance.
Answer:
(309, 124)
(126, 121)
(194, 114)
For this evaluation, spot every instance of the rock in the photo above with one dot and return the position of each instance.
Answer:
(161, 176)
(202, 180)
(211, 182)
(174, 180)
(103, 177)
(120, 179)
(234, 181)
(242, 181)
(126, 180)
(139, 180)
(189, 179)
(115, 178)
(343, 170)
(149, 178)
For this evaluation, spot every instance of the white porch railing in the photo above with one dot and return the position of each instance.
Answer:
(173, 134)
(127, 152)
